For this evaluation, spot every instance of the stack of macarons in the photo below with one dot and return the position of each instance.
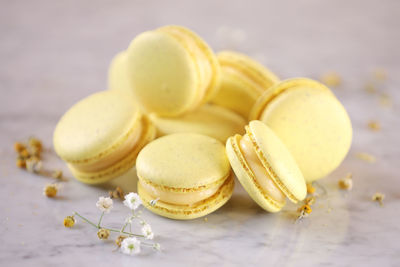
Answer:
(186, 117)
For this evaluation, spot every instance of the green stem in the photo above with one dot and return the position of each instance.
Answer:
(119, 231)
(101, 218)
(109, 229)
(86, 220)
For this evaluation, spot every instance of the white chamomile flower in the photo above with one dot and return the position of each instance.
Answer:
(132, 201)
(130, 246)
(105, 204)
(147, 232)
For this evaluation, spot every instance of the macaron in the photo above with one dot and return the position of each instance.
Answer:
(118, 78)
(265, 167)
(101, 136)
(184, 176)
(172, 71)
(211, 120)
(310, 121)
(243, 80)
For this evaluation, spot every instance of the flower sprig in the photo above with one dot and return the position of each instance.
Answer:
(129, 243)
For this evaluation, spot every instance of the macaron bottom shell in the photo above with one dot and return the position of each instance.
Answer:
(187, 212)
(121, 166)
(247, 178)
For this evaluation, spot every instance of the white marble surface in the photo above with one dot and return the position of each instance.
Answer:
(53, 53)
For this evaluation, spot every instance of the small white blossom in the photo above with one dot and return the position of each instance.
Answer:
(147, 232)
(105, 204)
(132, 201)
(130, 246)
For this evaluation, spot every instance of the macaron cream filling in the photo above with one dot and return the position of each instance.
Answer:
(118, 154)
(262, 177)
(182, 196)
(200, 58)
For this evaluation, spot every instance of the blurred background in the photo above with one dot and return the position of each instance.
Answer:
(54, 53)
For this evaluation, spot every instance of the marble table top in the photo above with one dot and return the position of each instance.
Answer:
(53, 53)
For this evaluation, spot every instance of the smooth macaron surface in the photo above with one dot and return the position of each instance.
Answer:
(211, 120)
(101, 136)
(279, 168)
(93, 126)
(189, 174)
(243, 80)
(310, 121)
(118, 78)
(171, 70)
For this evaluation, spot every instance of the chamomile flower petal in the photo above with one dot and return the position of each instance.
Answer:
(130, 246)
(105, 204)
(132, 201)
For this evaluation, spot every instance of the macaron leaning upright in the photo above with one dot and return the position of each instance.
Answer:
(265, 168)
(310, 121)
(187, 175)
(172, 71)
(211, 120)
(118, 78)
(243, 80)
(100, 136)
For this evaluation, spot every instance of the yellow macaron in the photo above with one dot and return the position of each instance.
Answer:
(101, 135)
(188, 176)
(310, 121)
(211, 120)
(243, 80)
(265, 168)
(118, 78)
(172, 70)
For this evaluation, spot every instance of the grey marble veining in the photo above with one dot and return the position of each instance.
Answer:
(53, 53)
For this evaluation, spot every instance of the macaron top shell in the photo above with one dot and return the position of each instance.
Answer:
(277, 160)
(171, 70)
(310, 121)
(185, 161)
(95, 126)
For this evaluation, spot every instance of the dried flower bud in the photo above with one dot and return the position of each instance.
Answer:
(35, 143)
(21, 163)
(69, 221)
(331, 79)
(374, 125)
(50, 190)
(346, 183)
(57, 174)
(117, 193)
(310, 189)
(310, 201)
(305, 208)
(18, 147)
(370, 88)
(378, 197)
(366, 157)
(119, 240)
(24, 153)
(380, 74)
(34, 164)
(103, 233)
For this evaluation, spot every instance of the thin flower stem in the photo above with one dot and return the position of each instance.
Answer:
(86, 220)
(101, 218)
(109, 229)
(127, 233)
